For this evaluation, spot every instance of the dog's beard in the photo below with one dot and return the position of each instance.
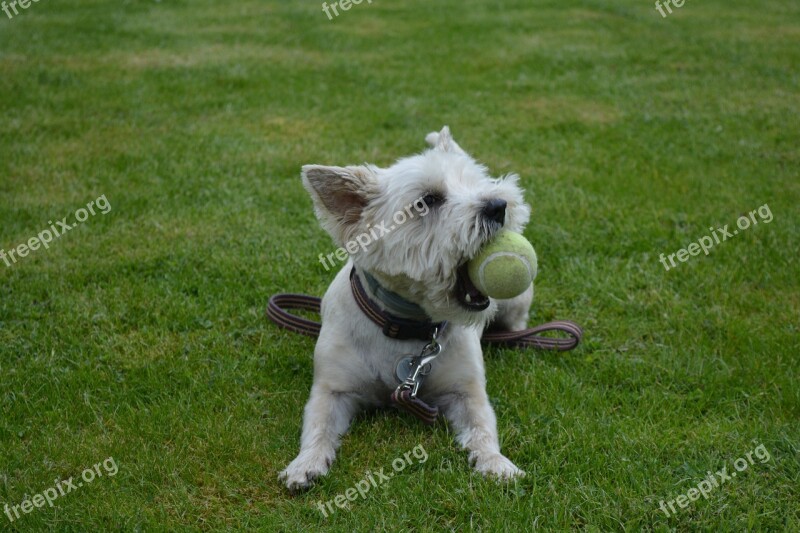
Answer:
(439, 284)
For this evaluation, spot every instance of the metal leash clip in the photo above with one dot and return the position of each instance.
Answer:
(420, 365)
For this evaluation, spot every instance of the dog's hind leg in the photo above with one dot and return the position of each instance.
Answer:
(512, 314)
(327, 416)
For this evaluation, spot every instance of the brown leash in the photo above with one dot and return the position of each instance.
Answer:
(415, 369)
(279, 304)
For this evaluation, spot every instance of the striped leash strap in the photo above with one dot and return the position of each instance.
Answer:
(279, 304)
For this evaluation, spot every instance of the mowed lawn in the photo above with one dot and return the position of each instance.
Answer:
(140, 334)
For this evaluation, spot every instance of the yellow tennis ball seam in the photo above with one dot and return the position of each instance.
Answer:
(497, 255)
(505, 274)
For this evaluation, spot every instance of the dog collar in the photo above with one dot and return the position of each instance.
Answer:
(421, 327)
(393, 302)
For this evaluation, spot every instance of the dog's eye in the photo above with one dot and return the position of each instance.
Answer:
(431, 199)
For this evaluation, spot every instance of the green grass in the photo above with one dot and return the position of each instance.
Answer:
(141, 335)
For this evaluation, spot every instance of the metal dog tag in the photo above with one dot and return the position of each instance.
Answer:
(406, 365)
(403, 369)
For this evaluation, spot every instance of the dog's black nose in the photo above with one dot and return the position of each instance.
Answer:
(495, 209)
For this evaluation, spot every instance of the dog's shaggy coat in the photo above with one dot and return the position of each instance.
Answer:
(422, 261)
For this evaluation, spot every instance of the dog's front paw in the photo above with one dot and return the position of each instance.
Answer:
(496, 465)
(307, 467)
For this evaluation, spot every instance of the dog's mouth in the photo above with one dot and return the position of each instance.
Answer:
(468, 295)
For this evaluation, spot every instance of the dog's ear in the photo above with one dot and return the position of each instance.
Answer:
(442, 141)
(340, 194)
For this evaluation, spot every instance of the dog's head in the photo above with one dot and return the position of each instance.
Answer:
(414, 225)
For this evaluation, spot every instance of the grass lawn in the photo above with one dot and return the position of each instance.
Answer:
(139, 335)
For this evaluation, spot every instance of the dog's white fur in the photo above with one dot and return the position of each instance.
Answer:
(354, 363)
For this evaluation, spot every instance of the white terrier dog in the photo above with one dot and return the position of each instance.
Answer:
(413, 273)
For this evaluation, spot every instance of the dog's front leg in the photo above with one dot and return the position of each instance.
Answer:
(327, 417)
(473, 419)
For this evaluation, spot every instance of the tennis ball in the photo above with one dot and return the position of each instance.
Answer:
(505, 267)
